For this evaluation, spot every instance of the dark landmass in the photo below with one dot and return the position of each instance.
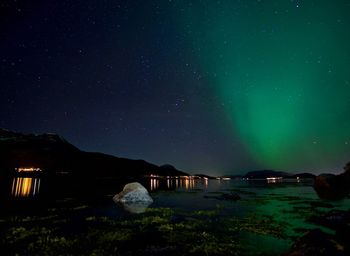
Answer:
(304, 175)
(263, 174)
(169, 170)
(333, 187)
(53, 154)
(233, 177)
(205, 176)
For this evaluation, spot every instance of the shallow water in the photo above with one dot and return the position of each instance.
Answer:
(270, 216)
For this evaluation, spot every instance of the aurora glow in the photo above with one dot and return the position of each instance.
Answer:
(217, 87)
(281, 69)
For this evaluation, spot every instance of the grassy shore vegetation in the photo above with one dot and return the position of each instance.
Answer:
(158, 231)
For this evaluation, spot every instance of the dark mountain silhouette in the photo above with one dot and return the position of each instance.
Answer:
(205, 176)
(169, 170)
(53, 154)
(263, 174)
(304, 175)
(233, 177)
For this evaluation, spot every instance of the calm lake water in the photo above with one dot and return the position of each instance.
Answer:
(290, 203)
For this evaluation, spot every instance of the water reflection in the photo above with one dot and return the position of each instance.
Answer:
(154, 184)
(206, 182)
(187, 183)
(136, 207)
(25, 187)
(170, 183)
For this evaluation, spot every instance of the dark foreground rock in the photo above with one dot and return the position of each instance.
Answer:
(316, 242)
(335, 219)
(333, 187)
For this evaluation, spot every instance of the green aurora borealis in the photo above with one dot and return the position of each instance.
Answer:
(281, 69)
(209, 86)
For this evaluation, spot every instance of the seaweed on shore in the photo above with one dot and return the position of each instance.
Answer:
(158, 231)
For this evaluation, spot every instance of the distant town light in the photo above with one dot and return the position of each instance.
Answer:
(274, 179)
(28, 169)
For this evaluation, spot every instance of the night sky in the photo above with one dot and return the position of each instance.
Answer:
(220, 87)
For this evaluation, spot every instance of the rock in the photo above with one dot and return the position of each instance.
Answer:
(136, 207)
(343, 235)
(335, 219)
(133, 193)
(321, 204)
(225, 196)
(134, 197)
(316, 242)
(332, 187)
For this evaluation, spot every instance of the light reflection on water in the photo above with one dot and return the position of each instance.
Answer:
(25, 187)
(30, 187)
(170, 183)
(154, 184)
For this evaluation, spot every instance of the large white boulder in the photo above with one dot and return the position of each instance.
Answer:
(133, 193)
(134, 197)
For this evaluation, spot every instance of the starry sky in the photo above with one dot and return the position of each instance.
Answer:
(220, 87)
